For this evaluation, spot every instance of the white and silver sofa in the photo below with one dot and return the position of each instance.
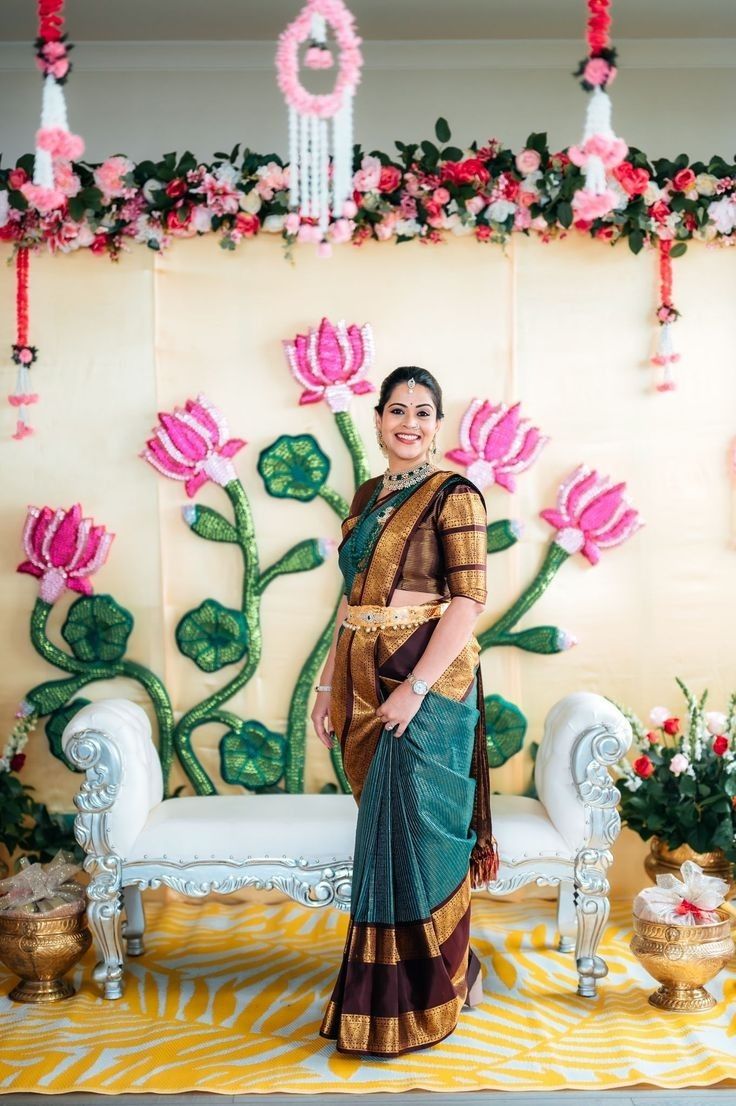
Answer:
(301, 845)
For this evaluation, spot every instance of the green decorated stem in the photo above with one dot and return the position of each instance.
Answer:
(339, 505)
(53, 694)
(355, 447)
(500, 632)
(209, 709)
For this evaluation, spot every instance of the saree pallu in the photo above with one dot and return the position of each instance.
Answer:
(407, 966)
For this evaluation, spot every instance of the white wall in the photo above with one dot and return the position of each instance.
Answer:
(144, 99)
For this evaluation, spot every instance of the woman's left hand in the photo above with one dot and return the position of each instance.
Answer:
(397, 711)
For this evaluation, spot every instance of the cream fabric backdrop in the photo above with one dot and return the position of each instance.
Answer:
(566, 328)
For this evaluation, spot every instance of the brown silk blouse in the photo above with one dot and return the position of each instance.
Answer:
(446, 554)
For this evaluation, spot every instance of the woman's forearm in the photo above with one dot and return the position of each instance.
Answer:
(449, 638)
(329, 665)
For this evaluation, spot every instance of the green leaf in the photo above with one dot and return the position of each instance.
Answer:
(501, 535)
(213, 636)
(636, 241)
(453, 153)
(505, 729)
(97, 628)
(302, 557)
(252, 756)
(537, 142)
(294, 467)
(209, 524)
(442, 130)
(540, 639)
(55, 728)
(678, 249)
(48, 697)
(565, 213)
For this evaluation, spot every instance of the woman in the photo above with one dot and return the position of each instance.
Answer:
(401, 691)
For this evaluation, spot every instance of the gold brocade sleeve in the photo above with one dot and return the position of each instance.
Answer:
(462, 529)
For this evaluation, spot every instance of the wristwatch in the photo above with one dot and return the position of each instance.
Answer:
(419, 687)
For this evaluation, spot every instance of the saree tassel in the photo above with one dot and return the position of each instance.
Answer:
(484, 856)
(484, 864)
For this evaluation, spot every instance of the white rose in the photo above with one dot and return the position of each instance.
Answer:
(716, 722)
(500, 210)
(659, 715)
(679, 764)
(723, 214)
(706, 184)
(250, 202)
(273, 224)
(652, 194)
(407, 228)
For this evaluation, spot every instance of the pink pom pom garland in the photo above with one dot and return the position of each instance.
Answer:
(667, 314)
(24, 355)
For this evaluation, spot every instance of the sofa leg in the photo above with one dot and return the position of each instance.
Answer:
(104, 908)
(567, 923)
(592, 908)
(135, 921)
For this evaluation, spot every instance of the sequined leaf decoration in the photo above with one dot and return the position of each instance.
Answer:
(49, 696)
(55, 728)
(97, 628)
(302, 557)
(210, 524)
(540, 639)
(294, 467)
(213, 636)
(501, 535)
(505, 729)
(252, 756)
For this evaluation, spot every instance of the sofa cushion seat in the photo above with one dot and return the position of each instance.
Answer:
(313, 828)
(524, 831)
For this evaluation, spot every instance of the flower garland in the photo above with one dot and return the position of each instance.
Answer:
(600, 151)
(24, 355)
(667, 314)
(309, 146)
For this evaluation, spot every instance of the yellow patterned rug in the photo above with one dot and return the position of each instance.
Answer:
(228, 998)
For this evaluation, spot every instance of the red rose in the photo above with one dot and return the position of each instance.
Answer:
(248, 225)
(633, 181)
(683, 180)
(510, 188)
(99, 243)
(390, 178)
(689, 221)
(464, 172)
(482, 233)
(583, 224)
(17, 762)
(17, 177)
(720, 745)
(176, 187)
(558, 161)
(652, 737)
(659, 211)
(605, 233)
(643, 767)
(671, 726)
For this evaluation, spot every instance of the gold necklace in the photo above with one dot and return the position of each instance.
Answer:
(392, 481)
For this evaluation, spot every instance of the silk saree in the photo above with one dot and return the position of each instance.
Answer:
(423, 835)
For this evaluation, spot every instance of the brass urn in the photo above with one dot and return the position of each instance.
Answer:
(41, 949)
(683, 959)
(662, 860)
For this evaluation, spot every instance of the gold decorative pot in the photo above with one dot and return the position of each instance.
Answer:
(662, 859)
(683, 959)
(41, 950)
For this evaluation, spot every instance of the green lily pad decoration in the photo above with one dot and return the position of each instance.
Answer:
(56, 725)
(97, 628)
(294, 467)
(252, 756)
(213, 636)
(505, 729)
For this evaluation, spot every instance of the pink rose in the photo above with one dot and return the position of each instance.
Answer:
(390, 179)
(247, 225)
(291, 223)
(599, 72)
(683, 180)
(368, 176)
(475, 205)
(525, 198)
(528, 161)
(441, 195)
(17, 178)
(341, 231)
(109, 176)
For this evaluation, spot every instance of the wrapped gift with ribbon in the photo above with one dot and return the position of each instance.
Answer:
(43, 888)
(691, 901)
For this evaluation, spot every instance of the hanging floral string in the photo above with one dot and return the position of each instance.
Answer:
(24, 354)
(56, 146)
(314, 193)
(667, 314)
(600, 150)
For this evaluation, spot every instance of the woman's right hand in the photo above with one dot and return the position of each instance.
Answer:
(321, 719)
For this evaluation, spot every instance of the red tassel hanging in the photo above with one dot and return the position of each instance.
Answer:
(667, 314)
(24, 355)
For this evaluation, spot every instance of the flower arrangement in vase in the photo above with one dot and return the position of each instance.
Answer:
(680, 789)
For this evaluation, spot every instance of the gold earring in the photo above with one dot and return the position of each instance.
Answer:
(381, 443)
(433, 447)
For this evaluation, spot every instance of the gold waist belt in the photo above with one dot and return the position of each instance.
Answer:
(369, 617)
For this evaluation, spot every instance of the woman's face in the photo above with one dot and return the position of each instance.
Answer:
(408, 424)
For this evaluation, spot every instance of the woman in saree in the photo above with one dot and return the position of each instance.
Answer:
(401, 692)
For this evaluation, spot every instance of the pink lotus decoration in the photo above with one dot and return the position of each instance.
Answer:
(63, 550)
(496, 444)
(591, 515)
(331, 363)
(193, 445)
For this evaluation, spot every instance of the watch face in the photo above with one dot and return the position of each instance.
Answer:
(421, 687)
